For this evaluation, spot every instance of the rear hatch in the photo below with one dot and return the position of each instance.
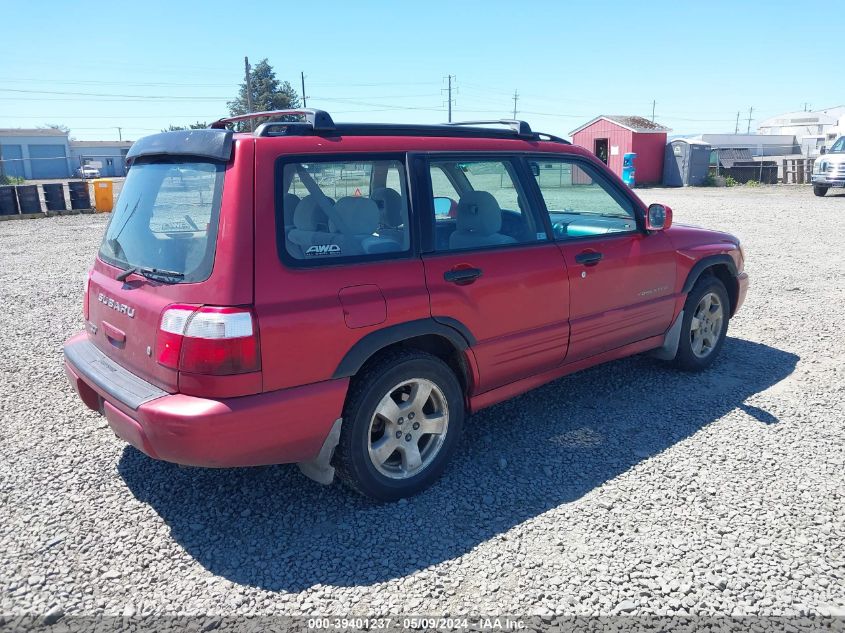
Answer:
(180, 234)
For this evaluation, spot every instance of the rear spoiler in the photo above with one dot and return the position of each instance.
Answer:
(213, 144)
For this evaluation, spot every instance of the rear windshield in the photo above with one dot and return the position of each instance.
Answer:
(166, 219)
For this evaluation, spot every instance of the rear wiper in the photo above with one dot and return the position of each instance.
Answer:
(156, 274)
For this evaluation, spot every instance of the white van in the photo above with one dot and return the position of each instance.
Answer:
(829, 168)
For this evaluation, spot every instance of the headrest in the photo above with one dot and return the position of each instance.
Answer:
(308, 215)
(355, 216)
(479, 213)
(390, 205)
(289, 201)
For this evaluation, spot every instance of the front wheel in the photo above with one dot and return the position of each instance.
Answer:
(705, 324)
(401, 424)
(819, 190)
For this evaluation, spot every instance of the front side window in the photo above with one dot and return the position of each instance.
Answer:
(480, 204)
(838, 146)
(580, 200)
(166, 219)
(342, 209)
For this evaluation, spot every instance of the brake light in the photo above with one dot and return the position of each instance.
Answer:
(209, 340)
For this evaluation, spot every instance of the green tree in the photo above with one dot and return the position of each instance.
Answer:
(199, 125)
(268, 93)
(56, 126)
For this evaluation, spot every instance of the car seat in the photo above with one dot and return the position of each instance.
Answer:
(479, 219)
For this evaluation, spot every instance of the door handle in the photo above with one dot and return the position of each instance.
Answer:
(462, 276)
(588, 258)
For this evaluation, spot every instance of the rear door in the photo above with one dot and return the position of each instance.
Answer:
(335, 255)
(490, 265)
(621, 278)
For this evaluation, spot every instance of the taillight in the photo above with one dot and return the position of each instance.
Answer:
(208, 340)
(85, 296)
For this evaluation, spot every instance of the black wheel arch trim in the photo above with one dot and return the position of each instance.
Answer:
(703, 264)
(451, 329)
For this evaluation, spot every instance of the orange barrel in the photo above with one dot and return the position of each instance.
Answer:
(103, 195)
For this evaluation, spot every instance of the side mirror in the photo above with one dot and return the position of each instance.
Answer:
(444, 207)
(658, 217)
(823, 150)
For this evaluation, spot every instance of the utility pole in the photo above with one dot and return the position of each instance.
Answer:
(448, 90)
(304, 102)
(750, 110)
(515, 99)
(450, 98)
(249, 93)
(736, 129)
(653, 105)
(120, 134)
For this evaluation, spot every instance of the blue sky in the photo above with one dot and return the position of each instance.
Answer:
(177, 62)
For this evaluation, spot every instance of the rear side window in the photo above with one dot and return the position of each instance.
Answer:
(342, 210)
(166, 219)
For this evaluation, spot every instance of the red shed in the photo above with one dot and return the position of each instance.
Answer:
(609, 137)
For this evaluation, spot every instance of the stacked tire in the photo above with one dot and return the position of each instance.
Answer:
(28, 200)
(8, 201)
(80, 198)
(54, 196)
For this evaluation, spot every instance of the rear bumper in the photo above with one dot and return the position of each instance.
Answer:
(285, 426)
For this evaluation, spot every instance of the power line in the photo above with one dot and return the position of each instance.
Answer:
(103, 94)
(145, 84)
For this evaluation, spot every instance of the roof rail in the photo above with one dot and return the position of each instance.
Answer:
(520, 127)
(319, 120)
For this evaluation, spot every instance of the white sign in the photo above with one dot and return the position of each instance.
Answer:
(614, 150)
(94, 163)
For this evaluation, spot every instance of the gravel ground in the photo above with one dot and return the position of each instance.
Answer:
(627, 488)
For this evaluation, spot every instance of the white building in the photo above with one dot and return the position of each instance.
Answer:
(812, 129)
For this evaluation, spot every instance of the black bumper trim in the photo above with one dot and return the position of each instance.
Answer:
(118, 382)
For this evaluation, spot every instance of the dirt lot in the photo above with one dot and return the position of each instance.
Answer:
(628, 488)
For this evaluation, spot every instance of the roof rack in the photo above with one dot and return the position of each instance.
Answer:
(319, 120)
(520, 127)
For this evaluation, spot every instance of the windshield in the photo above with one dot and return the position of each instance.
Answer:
(839, 146)
(166, 218)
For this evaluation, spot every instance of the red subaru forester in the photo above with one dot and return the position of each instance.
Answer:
(341, 296)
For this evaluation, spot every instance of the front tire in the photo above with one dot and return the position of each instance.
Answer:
(705, 324)
(401, 424)
(819, 190)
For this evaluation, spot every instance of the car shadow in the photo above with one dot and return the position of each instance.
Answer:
(272, 528)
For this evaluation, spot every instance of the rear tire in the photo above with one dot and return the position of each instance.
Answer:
(401, 424)
(705, 325)
(819, 190)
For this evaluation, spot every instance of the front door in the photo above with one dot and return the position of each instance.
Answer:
(621, 279)
(491, 266)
